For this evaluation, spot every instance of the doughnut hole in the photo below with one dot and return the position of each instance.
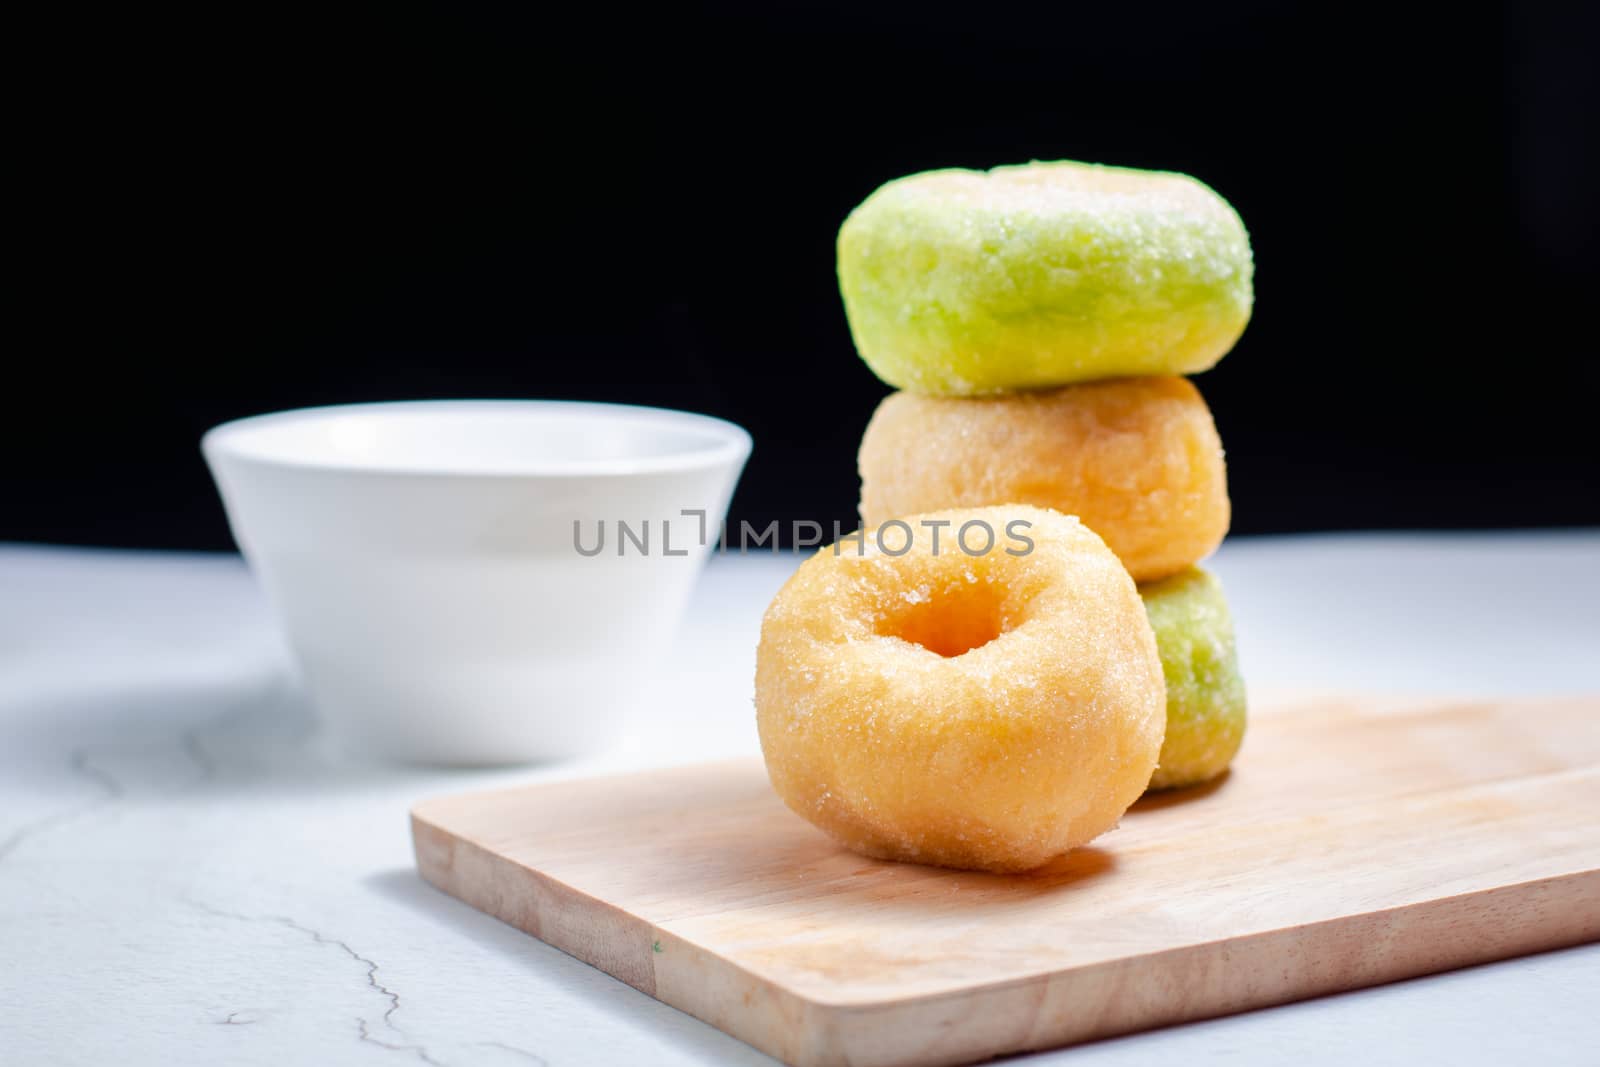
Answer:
(951, 621)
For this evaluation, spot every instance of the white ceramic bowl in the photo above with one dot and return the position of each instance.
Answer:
(424, 560)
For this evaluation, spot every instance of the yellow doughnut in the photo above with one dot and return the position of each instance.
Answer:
(988, 711)
(1138, 460)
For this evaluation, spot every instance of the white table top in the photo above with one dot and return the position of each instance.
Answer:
(188, 874)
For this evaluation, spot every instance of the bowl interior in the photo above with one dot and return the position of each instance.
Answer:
(484, 437)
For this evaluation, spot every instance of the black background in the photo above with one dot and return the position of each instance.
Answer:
(231, 209)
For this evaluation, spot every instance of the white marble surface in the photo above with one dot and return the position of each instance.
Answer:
(189, 875)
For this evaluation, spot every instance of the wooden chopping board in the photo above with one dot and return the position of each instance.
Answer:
(1356, 841)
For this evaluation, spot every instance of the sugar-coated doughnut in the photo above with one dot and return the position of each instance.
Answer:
(1138, 460)
(1205, 691)
(962, 283)
(976, 689)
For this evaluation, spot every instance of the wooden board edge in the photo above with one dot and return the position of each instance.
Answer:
(1130, 995)
(1064, 1008)
(654, 961)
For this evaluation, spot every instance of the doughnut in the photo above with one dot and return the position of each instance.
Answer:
(1205, 692)
(963, 283)
(972, 688)
(1138, 460)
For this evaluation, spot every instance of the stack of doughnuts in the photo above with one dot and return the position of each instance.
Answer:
(1037, 321)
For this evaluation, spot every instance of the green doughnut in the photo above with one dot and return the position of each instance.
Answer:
(963, 283)
(1205, 692)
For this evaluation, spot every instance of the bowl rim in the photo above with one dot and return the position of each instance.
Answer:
(727, 443)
